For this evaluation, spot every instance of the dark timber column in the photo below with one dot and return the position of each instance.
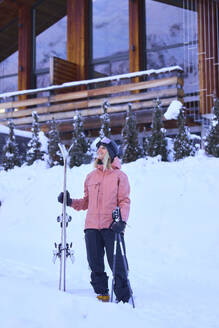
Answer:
(78, 35)
(208, 54)
(136, 35)
(24, 48)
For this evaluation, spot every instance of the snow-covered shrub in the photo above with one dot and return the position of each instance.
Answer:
(34, 151)
(10, 153)
(131, 148)
(157, 144)
(54, 153)
(183, 144)
(212, 140)
(105, 130)
(79, 153)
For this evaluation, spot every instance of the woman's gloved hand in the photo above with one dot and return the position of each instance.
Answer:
(118, 226)
(68, 198)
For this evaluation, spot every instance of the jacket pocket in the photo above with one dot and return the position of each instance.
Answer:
(93, 190)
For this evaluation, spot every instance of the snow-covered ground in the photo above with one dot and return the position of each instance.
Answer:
(172, 245)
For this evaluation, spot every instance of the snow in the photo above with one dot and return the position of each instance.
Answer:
(173, 110)
(21, 133)
(172, 242)
(97, 80)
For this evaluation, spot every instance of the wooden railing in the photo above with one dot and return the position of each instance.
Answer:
(165, 84)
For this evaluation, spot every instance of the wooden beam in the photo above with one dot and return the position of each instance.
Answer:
(136, 35)
(24, 49)
(78, 36)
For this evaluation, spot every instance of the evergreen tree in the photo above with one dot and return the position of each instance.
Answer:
(145, 143)
(34, 146)
(10, 153)
(105, 130)
(183, 146)
(55, 157)
(157, 144)
(131, 148)
(212, 141)
(78, 153)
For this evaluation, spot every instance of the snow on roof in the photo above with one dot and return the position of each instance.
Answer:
(20, 133)
(108, 78)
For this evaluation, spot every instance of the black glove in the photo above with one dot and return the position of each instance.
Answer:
(118, 226)
(68, 198)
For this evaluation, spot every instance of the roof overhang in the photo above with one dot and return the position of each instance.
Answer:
(48, 12)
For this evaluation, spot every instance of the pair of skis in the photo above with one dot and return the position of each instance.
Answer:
(63, 250)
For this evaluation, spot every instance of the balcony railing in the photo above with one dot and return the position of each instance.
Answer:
(87, 97)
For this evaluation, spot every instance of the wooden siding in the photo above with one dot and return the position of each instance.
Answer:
(62, 71)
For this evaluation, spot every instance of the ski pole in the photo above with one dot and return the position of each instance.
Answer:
(125, 266)
(114, 266)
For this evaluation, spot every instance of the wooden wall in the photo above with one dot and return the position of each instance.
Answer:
(208, 54)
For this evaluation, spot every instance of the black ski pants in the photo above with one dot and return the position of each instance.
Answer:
(97, 243)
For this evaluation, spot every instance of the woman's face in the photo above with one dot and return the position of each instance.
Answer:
(101, 152)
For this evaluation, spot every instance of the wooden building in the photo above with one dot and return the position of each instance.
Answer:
(174, 44)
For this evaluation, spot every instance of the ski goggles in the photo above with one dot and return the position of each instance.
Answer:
(104, 141)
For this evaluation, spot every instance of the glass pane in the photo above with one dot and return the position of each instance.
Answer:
(8, 84)
(111, 34)
(172, 39)
(9, 65)
(51, 42)
(101, 70)
(8, 73)
(42, 80)
(110, 27)
(120, 67)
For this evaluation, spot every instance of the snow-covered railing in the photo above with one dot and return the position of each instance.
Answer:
(140, 88)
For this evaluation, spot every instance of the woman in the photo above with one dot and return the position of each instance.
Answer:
(105, 188)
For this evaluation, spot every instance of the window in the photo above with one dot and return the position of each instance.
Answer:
(110, 37)
(51, 42)
(8, 74)
(172, 38)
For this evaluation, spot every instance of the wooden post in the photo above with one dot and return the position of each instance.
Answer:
(216, 45)
(136, 35)
(24, 48)
(78, 36)
(208, 54)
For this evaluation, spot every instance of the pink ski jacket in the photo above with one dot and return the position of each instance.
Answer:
(103, 192)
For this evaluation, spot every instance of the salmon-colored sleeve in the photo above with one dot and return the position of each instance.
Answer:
(123, 196)
(82, 203)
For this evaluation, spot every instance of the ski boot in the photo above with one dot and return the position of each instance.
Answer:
(103, 297)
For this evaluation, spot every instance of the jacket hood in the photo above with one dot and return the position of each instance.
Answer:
(116, 164)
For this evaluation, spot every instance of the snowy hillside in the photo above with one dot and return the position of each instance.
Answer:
(172, 245)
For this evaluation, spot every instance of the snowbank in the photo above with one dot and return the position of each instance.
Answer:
(172, 244)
